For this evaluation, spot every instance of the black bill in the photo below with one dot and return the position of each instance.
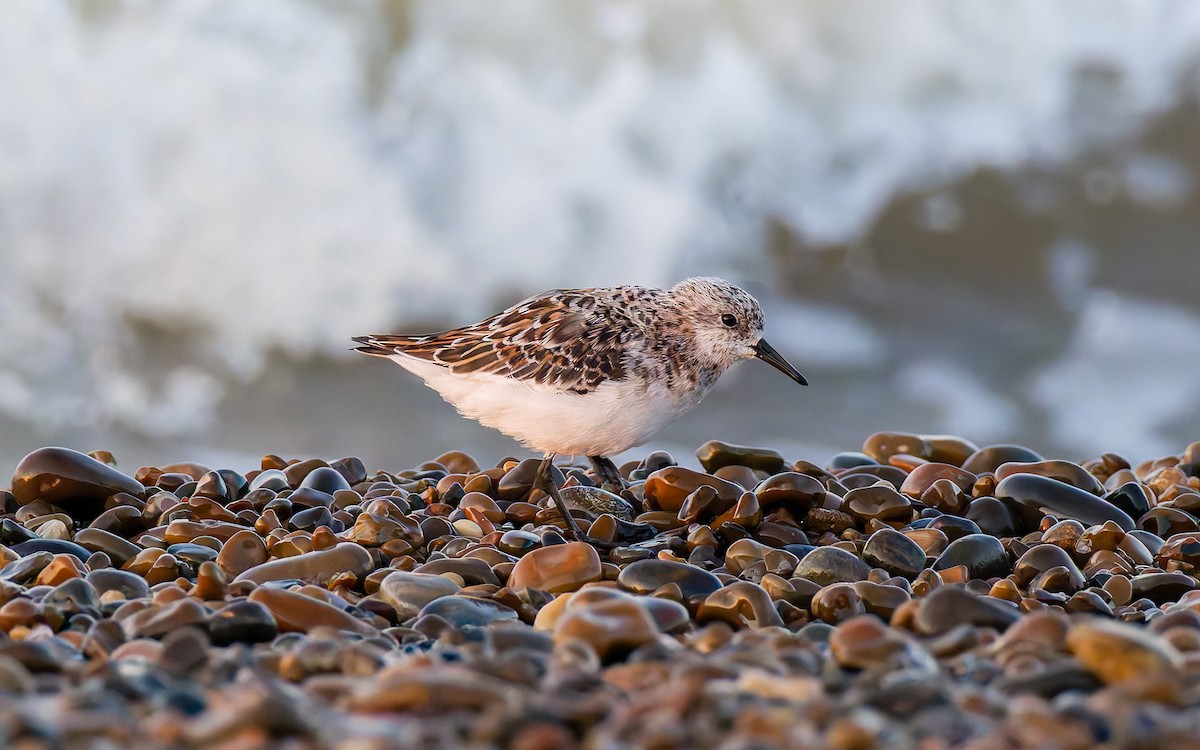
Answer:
(767, 353)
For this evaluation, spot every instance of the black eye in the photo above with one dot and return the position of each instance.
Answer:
(729, 319)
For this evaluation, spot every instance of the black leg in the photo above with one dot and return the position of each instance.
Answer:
(609, 475)
(545, 480)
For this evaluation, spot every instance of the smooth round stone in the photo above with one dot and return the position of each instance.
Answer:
(837, 603)
(517, 542)
(192, 553)
(954, 527)
(826, 565)
(310, 518)
(790, 488)
(933, 541)
(242, 622)
(1064, 471)
(26, 567)
(306, 497)
(69, 479)
(212, 485)
(992, 517)
(241, 552)
(983, 555)
(648, 576)
(313, 567)
(129, 585)
(613, 626)
(558, 568)
(12, 532)
(850, 460)
(744, 553)
(923, 477)
(947, 607)
(1043, 557)
(157, 621)
(865, 476)
(297, 613)
(595, 502)
(1118, 652)
(715, 454)
(118, 550)
(124, 521)
(1163, 522)
(407, 592)
(877, 502)
(270, 479)
(740, 604)
(1132, 498)
(472, 571)
(1043, 495)
(53, 546)
(1162, 588)
(517, 483)
(894, 552)
(75, 595)
(1182, 547)
(863, 642)
(883, 445)
(325, 479)
(666, 489)
(949, 449)
(464, 611)
(990, 458)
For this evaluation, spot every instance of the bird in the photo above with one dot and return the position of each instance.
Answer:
(589, 372)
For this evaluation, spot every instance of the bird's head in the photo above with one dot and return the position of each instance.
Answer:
(727, 324)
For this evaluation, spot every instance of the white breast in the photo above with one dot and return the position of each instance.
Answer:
(613, 418)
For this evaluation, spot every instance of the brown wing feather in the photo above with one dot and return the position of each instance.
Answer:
(573, 340)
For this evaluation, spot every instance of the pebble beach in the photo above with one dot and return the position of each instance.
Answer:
(916, 592)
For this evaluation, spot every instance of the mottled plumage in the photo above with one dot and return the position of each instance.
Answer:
(589, 371)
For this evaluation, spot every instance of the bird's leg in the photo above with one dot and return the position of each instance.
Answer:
(606, 471)
(545, 481)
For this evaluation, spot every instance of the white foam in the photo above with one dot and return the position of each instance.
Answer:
(242, 178)
(1126, 381)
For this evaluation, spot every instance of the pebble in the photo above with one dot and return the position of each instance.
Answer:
(69, 479)
(920, 592)
(318, 567)
(556, 569)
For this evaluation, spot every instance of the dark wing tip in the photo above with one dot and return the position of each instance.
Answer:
(371, 346)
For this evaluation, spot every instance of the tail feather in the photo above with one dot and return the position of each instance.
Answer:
(372, 346)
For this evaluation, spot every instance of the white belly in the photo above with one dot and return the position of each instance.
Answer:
(610, 419)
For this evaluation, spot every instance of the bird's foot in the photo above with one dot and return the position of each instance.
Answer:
(608, 474)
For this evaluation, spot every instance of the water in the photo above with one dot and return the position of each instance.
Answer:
(974, 219)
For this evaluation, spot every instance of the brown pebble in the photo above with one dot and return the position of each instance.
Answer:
(558, 568)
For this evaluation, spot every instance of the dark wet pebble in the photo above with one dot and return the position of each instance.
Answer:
(715, 454)
(948, 607)
(954, 527)
(463, 611)
(72, 480)
(648, 576)
(895, 553)
(990, 458)
(53, 546)
(826, 565)
(325, 479)
(1037, 495)
(130, 585)
(983, 555)
(242, 622)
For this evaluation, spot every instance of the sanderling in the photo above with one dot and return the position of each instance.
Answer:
(589, 372)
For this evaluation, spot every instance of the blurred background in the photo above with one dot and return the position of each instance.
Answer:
(974, 218)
